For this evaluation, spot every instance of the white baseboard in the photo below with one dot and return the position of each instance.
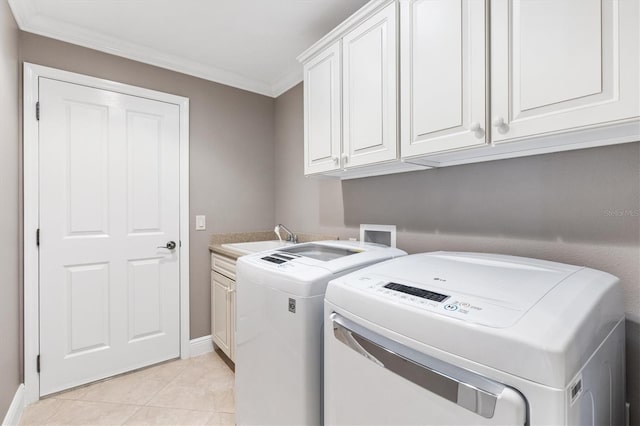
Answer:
(201, 345)
(15, 409)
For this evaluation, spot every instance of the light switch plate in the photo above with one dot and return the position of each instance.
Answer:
(201, 223)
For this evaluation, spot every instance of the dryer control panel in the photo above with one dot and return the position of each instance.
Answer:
(417, 292)
(434, 299)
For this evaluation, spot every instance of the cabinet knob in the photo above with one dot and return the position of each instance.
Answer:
(335, 159)
(476, 128)
(500, 124)
(345, 158)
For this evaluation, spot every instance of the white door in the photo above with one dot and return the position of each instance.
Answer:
(370, 90)
(443, 83)
(562, 64)
(322, 112)
(109, 201)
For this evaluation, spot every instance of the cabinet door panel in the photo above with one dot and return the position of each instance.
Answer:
(443, 65)
(322, 112)
(220, 313)
(563, 64)
(370, 90)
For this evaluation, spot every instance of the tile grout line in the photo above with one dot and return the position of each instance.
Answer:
(124, 422)
(46, 419)
(169, 382)
(82, 398)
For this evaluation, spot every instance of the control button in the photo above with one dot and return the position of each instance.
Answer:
(450, 307)
(465, 304)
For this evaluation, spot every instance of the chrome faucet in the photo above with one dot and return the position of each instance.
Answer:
(293, 238)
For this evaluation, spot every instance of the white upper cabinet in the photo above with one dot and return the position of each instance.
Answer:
(443, 75)
(370, 90)
(322, 112)
(558, 65)
(470, 80)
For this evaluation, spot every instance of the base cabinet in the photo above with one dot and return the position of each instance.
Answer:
(223, 306)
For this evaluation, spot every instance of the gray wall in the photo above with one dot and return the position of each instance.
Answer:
(578, 207)
(231, 150)
(10, 365)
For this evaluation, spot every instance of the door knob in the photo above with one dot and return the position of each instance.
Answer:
(170, 245)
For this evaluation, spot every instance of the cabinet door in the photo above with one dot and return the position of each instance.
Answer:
(370, 90)
(220, 313)
(322, 112)
(562, 64)
(443, 81)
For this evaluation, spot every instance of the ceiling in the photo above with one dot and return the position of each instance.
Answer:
(249, 44)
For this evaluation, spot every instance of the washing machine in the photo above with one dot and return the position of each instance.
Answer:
(280, 298)
(474, 339)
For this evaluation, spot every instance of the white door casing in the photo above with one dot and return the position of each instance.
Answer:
(370, 90)
(112, 185)
(557, 65)
(443, 75)
(323, 112)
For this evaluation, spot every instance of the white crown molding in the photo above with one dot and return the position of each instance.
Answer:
(290, 79)
(30, 20)
(22, 11)
(347, 25)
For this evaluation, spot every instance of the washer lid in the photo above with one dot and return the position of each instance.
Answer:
(306, 270)
(339, 256)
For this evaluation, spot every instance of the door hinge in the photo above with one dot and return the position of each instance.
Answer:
(180, 242)
(38, 110)
(38, 237)
(38, 363)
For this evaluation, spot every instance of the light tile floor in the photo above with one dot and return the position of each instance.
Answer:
(197, 391)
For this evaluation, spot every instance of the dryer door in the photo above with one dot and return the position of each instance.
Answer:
(370, 379)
